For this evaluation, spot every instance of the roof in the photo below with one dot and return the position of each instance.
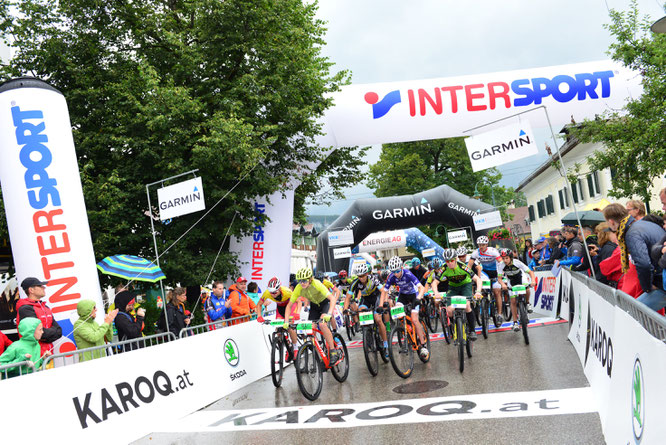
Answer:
(519, 216)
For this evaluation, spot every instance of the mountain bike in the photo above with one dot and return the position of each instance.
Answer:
(350, 323)
(429, 311)
(447, 327)
(460, 338)
(487, 292)
(312, 360)
(520, 293)
(373, 345)
(404, 341)
(280, 343)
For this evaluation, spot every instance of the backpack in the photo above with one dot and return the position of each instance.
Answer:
(161, 322)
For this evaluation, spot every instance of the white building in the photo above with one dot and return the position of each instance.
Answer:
(545, 188)
(4, 52)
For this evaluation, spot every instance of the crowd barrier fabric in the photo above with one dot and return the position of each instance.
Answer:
(545, 293)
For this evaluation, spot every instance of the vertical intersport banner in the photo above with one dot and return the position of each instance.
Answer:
(43, 199)
(545, 294)
(267, 252)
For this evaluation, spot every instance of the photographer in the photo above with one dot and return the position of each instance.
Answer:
(178, 319)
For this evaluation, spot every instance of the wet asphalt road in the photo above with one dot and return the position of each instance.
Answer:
(500, 364)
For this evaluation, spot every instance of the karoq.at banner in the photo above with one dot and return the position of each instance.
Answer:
(265, 254)
(545, 294)
(43, 199)
(501, 146)
(181, 199)
(383, 241)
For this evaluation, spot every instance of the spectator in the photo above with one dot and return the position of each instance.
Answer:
(544, 251)
(527, 253)
(175, 309)
(4, 342)
(588, 233)
(253, 291)
(87, 333)
(555, 251)
(574, 248)
(656, 219)
(27, 348)
(128, 327)
(218, 307)
(536, 256)
(34, 307)
(240, 302)
(636, 238)
(607, 241)
(418, 270)
(636, 209)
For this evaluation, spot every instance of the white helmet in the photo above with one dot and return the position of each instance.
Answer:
(461, 251)
(482, 240)
(395, 264)
(361, 269)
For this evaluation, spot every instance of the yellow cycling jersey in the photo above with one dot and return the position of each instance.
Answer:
(328, 284)
(281, 299)
(316, 292)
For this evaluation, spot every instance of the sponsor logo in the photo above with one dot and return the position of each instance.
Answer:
(181, 200)
(450, 99)
(124, 396)
(381, 107)
(354, 221)
(498, 149)
(404, 212)
(258, 242)
(638, 401)
(231, 352)
(600, 344)
(464, 210)
(544, 294)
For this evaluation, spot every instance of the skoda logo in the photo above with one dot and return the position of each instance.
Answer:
(231, 352)
(638, 401)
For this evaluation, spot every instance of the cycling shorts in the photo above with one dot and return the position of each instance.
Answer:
(518, 280)
(281, 310)
(466, 290)
(410, 299)
(317, 310)
(371, 301)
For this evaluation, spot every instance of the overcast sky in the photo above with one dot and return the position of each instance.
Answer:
(397, 40)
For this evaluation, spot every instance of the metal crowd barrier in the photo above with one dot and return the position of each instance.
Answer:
(653, 322)
(72, 357)
(206, 327)
(4, 369)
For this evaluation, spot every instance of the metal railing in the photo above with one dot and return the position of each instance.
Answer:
(72, 357)
(653, 322)
(206, 327)
(5, 369)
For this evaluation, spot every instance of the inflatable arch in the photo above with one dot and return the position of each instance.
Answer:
(439, 205)
(413, 238)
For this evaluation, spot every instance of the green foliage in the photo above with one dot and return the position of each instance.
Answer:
(157, 87)
(635, 137)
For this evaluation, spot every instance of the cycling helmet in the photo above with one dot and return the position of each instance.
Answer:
(361, 269)
(304, 274)
(320, 276)
(506, 252)
(429, 265)
(395, 264)
(415, 262)
(482, 240)
(342, 274)
(449, 254)
(436, 263)
(274, 284)
(461, 251)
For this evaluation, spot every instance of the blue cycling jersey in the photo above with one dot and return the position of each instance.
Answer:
(488, 259)
(407, 283)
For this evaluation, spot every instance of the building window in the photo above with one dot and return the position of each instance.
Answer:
(541, 209)
(577, 191)
(564, 198)
(530, 209)
(550, 207)
(593, 184)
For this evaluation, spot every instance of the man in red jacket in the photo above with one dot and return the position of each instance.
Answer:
(34, 307)
(241, 304)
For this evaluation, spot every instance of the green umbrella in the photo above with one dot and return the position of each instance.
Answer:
(587, 218)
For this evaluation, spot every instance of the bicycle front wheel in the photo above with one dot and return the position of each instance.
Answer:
(460, 336)
(341, 370)
(524, 321)
(433, 317)
(277, 360)
(445, 325)
(484, 318)
(401, 353)
(309, 373)
(370, 350)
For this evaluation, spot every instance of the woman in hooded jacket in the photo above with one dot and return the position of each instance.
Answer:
(177, 318)
(88, 333)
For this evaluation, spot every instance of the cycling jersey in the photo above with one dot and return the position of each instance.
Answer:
(316, 292)
(514, 271)
(488, 260)
(343, 285)
(371, 286)
(328, 284)
(407, 283)
(456, 277)
(443, 285)
(281, 299)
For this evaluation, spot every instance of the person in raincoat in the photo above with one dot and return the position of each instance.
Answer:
(88, 333)
(27, 348)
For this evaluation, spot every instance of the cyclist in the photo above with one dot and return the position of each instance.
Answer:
(488, 257)
(383, 276)
(411, 290)
(280, 295)
(514, 270)
(367, 288)
(322, 302)
(418, 270)
(460, 284)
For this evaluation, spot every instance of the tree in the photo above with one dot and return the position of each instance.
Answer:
(160, 87)
(635, 138)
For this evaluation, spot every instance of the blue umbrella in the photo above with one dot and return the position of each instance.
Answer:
(131, 267)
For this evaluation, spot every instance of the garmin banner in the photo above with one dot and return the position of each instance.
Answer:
(501, 146)
(43, 199)
(181, 199)
(365, 216)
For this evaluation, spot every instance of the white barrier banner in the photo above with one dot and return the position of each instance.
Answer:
(43, 199)
(578, 326)
(565, 295)
(265, 253)
(500, 146)
(132, 393)
(383, 241)
(545, 294)
(181, 199)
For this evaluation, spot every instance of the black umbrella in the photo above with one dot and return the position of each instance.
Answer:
(587, 218)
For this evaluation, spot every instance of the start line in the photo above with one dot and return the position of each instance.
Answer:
(436, 409)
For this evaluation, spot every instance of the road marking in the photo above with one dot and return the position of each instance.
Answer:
(435, 409)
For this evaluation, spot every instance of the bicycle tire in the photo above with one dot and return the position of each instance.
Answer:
(484, 318)
(348, 326)
(469, 344)
(461, 343)
(380, 345)
(476, 308)
(341, 370)
(370, 351)
(433, 317)
(427, 345)
(493, 313)
(401, 353)
(309, 372)
(277, 360)
(445, 326)
(524, 320)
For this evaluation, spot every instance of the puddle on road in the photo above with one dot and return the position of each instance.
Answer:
(420, 387)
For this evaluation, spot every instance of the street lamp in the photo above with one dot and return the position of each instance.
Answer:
(659, 27)
(492, 191)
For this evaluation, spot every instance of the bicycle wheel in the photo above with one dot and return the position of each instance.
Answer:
(277, 360)
(506, 308)
(493, 313)
(401, 353)
(349, 327)
(469, 344)
(427, 345)
(341, 370)
(433, 318)
(484, 318)
(444, 322)
(461, 343)
(380, 346)
(308, 371)
(370, 350)
(476, 307)
(524, 320)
